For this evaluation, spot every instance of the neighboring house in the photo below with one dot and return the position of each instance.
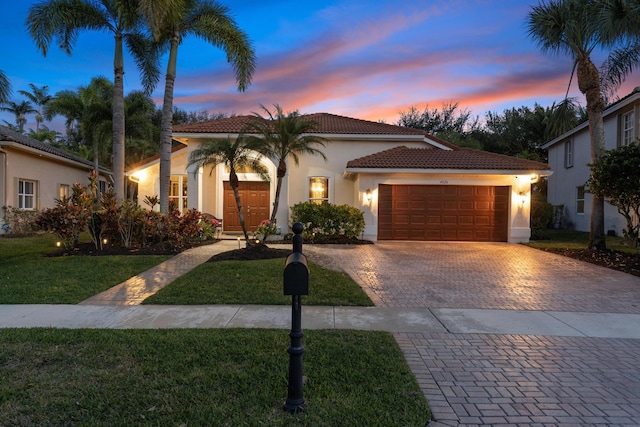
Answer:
(33, 174)
(569, 158)
(409, 184)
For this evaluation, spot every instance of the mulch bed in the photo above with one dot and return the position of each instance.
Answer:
(250, 253)
(89, 249)
(621, 261)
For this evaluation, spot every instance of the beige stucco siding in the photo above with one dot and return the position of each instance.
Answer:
(47, 173)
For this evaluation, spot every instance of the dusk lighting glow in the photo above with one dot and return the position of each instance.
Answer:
(341, 57)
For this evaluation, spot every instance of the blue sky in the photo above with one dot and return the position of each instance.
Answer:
(356, 58)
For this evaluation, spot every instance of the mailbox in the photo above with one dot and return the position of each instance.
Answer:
(296, 275)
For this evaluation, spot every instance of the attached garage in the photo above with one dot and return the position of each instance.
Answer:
(443, 212)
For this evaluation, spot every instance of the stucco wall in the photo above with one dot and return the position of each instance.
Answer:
(563, 183)
(48, 174)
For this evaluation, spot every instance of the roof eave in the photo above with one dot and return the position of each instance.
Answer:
(634, 97)
(544, 172)
(40, 153)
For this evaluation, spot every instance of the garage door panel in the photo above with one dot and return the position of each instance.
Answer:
(442, 212)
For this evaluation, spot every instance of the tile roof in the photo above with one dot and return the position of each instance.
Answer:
(327, 124)
(424, 158)
(7, 134)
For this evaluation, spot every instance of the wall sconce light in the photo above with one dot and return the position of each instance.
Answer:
(368, 195)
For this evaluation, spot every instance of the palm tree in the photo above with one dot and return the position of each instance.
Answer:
(67, 103)
(5, 88)
(45, 134)
(236, 156)
(173, 20)
(63, 19)
(20, 110)
(39, 96)
(576, 28)
(279, 136)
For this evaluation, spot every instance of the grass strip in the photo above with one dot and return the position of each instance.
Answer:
(232, 377)
(257, 282)
(27, 276)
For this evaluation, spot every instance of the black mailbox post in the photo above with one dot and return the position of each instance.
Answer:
(296, 284)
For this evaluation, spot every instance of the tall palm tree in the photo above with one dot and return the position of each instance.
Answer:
(236, 156)
(281, 136)
(20, 110)
(5, 88)
(38, 96)
(575, 28)
(171, 22)
(45, 134)
(64, 19)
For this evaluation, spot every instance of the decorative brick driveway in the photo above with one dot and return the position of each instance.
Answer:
(488, 379)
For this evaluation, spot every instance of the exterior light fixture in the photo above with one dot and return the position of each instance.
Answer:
(57, 244)
(104, 241)
(368, 195)
(238, 243)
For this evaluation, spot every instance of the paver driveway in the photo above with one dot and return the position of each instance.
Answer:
(489, 379)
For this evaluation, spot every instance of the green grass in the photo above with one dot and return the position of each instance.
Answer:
(27, 276)
(257, 282)
(569, 239)
(53, 377)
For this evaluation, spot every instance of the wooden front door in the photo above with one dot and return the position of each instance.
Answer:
(254, 198)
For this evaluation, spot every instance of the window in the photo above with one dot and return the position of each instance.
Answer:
(318, 189)
(102, 186)
(178, 192)
(580, 200)
(63, 191)
(26, 194)
(627, 128)
(568, 154)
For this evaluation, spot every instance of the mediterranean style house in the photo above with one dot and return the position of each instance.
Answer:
(409, 184)
(570, 155)
(33, 174)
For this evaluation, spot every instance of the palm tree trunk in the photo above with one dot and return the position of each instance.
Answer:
(118, 122)
(233, 181)
(589, 84)
(166, 126)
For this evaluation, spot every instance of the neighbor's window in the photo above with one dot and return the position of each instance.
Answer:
(63, 191)
(102, 186)
(318, 189)
(26, 194)
(626, 128)
(568, 153)
(178, 191)
(580, 200)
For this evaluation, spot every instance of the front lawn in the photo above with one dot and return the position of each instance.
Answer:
(257, 282)
(29, 276)
(54, 377)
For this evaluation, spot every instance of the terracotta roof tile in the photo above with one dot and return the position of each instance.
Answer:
(327, 124)
(424, 158)
(7, 134)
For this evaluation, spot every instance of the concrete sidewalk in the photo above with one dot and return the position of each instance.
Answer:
(404, 320)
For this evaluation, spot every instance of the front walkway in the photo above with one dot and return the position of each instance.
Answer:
(140, 287)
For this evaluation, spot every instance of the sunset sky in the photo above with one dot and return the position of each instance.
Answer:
(364, 59)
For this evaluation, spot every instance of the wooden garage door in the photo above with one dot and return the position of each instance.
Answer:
(254, 198)
(443, 212)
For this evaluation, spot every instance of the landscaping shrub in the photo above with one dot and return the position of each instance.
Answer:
(542, 215)
(327, 221)
(67, 219)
